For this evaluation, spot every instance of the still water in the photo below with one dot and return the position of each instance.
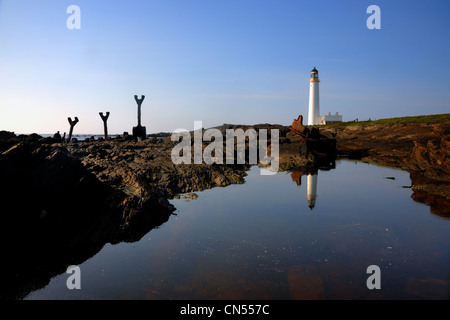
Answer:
(265, 240)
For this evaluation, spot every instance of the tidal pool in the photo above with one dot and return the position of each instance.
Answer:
(284, 236)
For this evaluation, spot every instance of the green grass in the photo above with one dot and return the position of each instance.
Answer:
(434, 118)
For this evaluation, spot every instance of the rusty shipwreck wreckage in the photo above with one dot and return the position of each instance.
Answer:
(313, 140)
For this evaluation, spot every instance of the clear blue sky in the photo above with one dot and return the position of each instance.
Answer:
(218, 61)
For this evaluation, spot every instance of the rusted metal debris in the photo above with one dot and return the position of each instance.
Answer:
(314, 140)
(300, 130)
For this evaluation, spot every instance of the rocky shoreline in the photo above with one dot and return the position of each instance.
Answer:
(64, 202)
(422, 149)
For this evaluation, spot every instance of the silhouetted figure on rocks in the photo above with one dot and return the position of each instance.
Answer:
(57, 137)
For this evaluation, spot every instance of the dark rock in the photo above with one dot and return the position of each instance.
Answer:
(6, 135)
(57, 137)
(423, 149)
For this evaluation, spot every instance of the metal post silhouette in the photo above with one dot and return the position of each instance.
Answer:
(139, 103)
(105, 125)
(72, 124)
(139, 132)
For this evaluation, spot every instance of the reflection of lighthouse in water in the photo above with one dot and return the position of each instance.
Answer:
(312, 190)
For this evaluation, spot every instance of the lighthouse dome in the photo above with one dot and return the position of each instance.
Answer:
(314, 75)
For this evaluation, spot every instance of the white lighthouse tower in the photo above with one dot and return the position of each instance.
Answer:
(314, 114)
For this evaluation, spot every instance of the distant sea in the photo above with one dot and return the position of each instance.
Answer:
(82, 137)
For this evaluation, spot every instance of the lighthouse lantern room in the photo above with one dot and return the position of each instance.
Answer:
(314, 113)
